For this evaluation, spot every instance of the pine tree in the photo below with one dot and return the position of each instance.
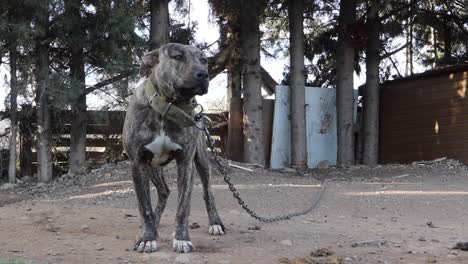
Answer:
(297, 87)
(251, 80)
(344, 85)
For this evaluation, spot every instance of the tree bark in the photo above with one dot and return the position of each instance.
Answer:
(27, 127)
(13, 113)
(409, 42)
(44, 154)
(160, 24)
(235, 132)
(234, 144)
(344, 85)
(371, 100)
(78, 87)
(433, 38)
(250, 46)
(447, 59)
(298, 123)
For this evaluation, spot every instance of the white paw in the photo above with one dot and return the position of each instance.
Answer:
(147, 246)
(182, 246)
(215, 230)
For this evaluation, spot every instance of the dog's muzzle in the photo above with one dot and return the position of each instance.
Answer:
(200, 88)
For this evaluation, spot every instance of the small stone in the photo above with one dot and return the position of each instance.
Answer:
(286, 242)
(431, 259)
(84, 228)
(323, 165)
(369, 243)
(194, 225)
(182, 259)
(254, 227)
(334, 260)
(323, 252)
(461, 246)
(422, 239)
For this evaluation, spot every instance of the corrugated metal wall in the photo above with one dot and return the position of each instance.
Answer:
(425, 117)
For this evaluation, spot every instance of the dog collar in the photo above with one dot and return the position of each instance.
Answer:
(180, 114)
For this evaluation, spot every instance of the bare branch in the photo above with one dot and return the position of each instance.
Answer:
(268, 81)
(391, 53)
(389, 56)
(110, 81)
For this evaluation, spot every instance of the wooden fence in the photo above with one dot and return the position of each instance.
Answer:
(425, 116)
(103, 138)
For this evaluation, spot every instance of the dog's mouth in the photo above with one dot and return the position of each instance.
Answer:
(199, 89)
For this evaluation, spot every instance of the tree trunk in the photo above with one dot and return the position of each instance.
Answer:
(250, 46)
(44, 154)
(371, 100)
(27, 127)
(160, 24)
(235, 138)
(344, 85)
(433, 38)
(13, 113)
(447, 59)
(409, 43)
(78, 88)
(297, 76)
(234, 144)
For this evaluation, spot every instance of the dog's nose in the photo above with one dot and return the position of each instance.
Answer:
(201, 75)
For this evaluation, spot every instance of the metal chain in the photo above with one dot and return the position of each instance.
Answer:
(221, 168)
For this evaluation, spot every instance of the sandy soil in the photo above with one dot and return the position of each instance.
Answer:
(386, 214)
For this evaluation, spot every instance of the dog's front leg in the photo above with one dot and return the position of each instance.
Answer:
(185, 170)
(146, 242)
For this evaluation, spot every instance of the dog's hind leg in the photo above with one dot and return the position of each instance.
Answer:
(146, 242)
(157, 178)
(202, 164)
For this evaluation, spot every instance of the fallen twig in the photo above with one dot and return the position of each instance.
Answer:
(240, 167)
(402, 176)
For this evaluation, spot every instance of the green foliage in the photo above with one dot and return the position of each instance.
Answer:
(115, 35)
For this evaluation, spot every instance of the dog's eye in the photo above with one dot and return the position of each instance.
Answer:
(204, 61)
(178, 57)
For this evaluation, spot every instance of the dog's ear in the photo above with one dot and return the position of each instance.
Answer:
(149, 60)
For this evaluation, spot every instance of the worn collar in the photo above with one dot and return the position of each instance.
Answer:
(176, 112)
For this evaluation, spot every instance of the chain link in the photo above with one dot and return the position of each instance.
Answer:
(222, 169)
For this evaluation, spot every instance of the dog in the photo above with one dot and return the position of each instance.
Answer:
(159, 127)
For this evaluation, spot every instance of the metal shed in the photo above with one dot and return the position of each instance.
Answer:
(425, 116)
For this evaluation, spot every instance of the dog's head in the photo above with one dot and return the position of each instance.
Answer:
(180, 71)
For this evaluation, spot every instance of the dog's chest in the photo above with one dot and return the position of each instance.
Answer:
(163, 149)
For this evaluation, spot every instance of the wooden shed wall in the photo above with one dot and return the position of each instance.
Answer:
(425, 118)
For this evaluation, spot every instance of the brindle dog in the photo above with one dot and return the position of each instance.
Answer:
(178, 72)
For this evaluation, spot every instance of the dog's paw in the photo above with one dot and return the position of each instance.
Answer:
(146, 246)
(182, 246)
(216, 230)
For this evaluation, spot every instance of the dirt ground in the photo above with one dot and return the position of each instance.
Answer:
(385, 214)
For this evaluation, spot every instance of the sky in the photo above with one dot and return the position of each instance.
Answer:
(207, 31)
